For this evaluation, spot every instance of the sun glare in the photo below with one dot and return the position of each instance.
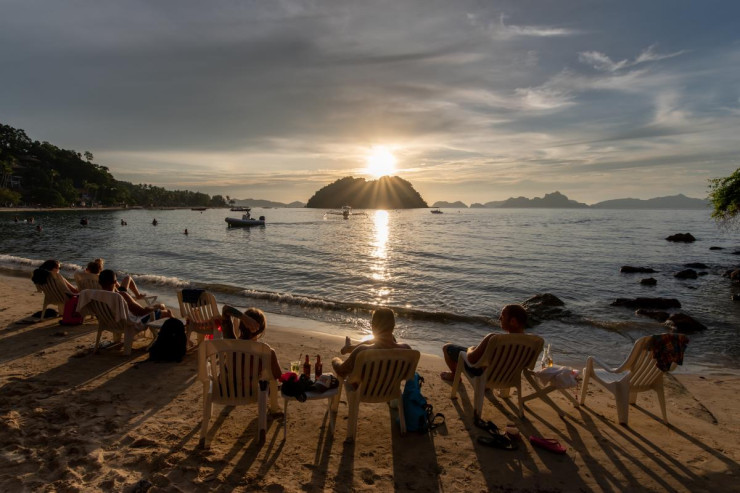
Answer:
(380, 162)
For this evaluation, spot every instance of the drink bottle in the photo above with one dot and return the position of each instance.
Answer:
(318, 367)
(307, 367)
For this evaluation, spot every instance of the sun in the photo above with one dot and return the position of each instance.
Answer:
(380, 162)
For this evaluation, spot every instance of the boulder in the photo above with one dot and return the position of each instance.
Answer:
(696, 265)
(716, 248)
(650, 281)
(736, 297)
(703, 273)
(680, 322)
(544, 306)
(660, 316)
(628, 269)
(686, 274)
(736, 252)
(661, 303)
(682, 238)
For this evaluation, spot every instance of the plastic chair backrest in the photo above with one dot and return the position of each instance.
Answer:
(86, 280)
(106, 320)
(506, 356)
(234, 368)
(378, 373)
(55, 291)
(200, 315)
(644, 371)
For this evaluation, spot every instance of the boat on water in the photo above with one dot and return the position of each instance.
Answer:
(345, 212)
(436, 211)
(198, 208)
(245, 221)
(241, 209)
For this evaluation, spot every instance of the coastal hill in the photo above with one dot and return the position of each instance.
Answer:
(557, 200)
(441, 204)
(265, 203)
(387, 192)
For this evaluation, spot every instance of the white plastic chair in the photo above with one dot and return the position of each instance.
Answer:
(377, 377)
(231, 376)
(505, 357)
(201, 317)
(112, 313)
(638, 373)
(55, 293)
(86, 280)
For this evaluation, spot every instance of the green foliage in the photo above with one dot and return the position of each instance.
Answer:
(724, 194)
(56, 177)
(9, 197)
(386, 193)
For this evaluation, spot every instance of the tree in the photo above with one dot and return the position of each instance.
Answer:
(88, 156)
(724, 194)
(8, 196)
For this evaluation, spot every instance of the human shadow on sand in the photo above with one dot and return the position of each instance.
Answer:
(29, 339)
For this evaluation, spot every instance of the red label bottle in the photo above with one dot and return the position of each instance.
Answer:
(307, 367)
(318, 367)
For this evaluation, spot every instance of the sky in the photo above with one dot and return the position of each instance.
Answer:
(476, 100)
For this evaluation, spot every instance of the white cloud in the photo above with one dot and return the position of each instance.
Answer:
(602, 62)
(504, 31)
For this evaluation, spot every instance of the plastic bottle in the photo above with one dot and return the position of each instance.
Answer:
(307, 367)
(318, 367)
(549, 356)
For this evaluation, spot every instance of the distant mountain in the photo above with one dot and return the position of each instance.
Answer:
(555, 200)
(679, 201)
(265, 203)
(441, 204)
(388, 192)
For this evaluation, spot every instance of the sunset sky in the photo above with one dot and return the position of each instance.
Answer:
(474, 100)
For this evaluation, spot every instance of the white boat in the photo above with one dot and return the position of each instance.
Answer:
(246, 220)
(345, 212)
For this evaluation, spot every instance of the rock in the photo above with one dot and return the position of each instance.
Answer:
(628, 269)
(735, 275)
(681, 322)
(696, 265)
(736, 297)
(736, 252)
(654, 314)
(544, 306)
(647, 302)
(650, 281)
(686, 274)
(682, 238)
(716, 248)
(703, 273)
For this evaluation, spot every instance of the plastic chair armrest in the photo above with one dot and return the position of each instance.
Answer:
(605, 366)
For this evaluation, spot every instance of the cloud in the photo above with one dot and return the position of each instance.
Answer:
(602, 62)
(503, 30)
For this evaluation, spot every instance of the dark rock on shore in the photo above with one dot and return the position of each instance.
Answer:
(647, 302)
(696, 265)
(682, 238)
(686, 274)
(736, 297)
(716, 248)
(650, 281)
(736, 252)
(544, 306)
(628, 269)
(660, 316)
(680, 322)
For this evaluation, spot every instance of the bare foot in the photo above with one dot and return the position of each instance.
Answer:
(347, 346)
(447, 376)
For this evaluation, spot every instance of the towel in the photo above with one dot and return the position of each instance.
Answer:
(668, 349)
(560, 377)
(114, 300)
(191, 296)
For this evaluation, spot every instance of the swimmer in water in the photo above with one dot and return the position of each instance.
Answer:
(186, 231)
(154, 222)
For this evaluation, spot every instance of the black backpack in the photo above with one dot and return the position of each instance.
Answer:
(171, 343)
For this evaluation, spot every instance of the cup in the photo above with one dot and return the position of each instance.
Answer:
(295, 366)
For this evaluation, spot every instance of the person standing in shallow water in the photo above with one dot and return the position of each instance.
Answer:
(382, 324)
(513, 320)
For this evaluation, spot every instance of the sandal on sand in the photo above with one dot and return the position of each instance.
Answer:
(447, 376)
(548, 444)
(497, 441)
(489, 426)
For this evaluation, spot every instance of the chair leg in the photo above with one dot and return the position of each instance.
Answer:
(285, 417)
(584, 386)
(457, 378)
(479, 387)
(330, 410)
(97, 340)
(43, 311)
(519, 398)
(633, 398)
(401, 417)
(661, 400)
(262, 416)
(128, 341)
(622, 395)
(207, 407)
(273, 396)
(354, 408)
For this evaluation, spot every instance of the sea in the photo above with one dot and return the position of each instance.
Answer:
(445, 275)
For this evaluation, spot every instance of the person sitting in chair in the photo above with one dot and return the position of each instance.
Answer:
(138, 313)
(383, 323)
(252, 325)
(41, 275)
(513, 320)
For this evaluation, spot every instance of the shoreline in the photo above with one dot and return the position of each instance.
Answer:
(72, 420)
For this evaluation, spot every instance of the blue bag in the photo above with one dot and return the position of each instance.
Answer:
(418, 413)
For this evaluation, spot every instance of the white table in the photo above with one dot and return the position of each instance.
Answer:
(540, 391)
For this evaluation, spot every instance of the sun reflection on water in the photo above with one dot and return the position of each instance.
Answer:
(379, 265)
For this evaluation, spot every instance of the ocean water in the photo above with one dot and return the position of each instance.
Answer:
(446, 275)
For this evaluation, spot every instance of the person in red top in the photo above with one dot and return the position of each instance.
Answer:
(513, 320)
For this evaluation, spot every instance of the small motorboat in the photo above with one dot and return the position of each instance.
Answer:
(240, 209)
(245, 221)
(198, 208)
(345, 212)
(436, 211)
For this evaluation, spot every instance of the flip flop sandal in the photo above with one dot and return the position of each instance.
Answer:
(548, 444)
(489, 426)
(447, 376)
(497, 441)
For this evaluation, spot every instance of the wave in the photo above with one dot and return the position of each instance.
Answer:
(10, 261)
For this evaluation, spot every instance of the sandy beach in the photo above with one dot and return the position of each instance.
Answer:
(71, 420)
